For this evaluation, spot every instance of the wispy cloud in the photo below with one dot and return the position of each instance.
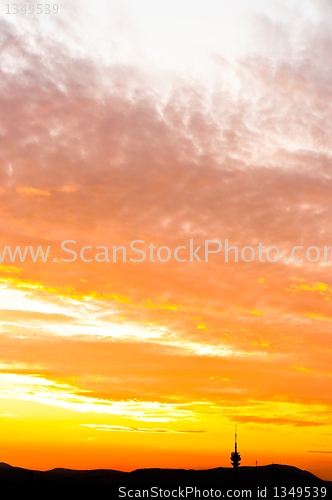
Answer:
(319, 451)
(121, 428)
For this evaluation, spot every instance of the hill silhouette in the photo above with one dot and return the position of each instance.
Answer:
(106, 483)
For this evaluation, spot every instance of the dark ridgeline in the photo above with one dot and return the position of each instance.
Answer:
(66, 483)
(260, 481)
(19, 483)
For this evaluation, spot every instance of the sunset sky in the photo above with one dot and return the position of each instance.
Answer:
(166, 121)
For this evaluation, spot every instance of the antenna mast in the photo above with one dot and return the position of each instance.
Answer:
(235, 456)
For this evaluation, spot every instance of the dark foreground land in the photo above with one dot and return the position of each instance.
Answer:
(271, 481)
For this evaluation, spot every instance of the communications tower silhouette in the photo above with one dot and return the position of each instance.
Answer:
(235, 455)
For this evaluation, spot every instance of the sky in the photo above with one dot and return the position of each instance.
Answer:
(163, 123)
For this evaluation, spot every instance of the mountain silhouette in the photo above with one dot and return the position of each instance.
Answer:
(102, 483)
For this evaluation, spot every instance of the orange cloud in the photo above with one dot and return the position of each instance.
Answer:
(30, 191)
(68, 189)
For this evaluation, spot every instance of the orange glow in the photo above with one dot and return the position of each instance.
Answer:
(122, 364)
